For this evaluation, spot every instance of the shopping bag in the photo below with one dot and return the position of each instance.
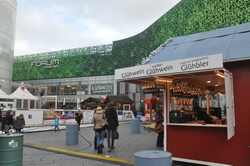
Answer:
(115, 134)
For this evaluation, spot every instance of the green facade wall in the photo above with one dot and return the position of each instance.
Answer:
(187, 17)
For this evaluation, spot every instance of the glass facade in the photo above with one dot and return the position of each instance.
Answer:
(69, 92)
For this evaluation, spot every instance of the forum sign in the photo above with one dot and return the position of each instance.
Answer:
(46, 64)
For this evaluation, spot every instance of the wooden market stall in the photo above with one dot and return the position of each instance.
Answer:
(202, 66)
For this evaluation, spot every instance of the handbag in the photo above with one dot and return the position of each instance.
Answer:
(104, 122)
(115, 134)
(158, 127)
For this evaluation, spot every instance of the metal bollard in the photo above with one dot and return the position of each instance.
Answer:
(152, 157)
(72, 134)
(135, 126)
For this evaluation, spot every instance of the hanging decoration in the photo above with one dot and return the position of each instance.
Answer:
(183, 103)
(179, 86)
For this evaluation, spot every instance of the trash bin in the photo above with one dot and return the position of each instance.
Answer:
(71, 134)
(152, 157)
(11, 150)
(135, 126)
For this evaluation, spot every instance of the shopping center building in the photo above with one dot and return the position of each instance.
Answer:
(76, 74)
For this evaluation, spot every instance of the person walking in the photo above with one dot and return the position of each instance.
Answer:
(99, 129)
(56, 123)
(19, 123)
(159, 119)
(78, 117)
(113, 123)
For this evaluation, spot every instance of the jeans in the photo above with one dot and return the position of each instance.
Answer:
(110, 136)
(56, 127)
(99, 137)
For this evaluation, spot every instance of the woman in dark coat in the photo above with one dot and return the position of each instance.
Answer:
(113, 123)
(8, 121)
(78, 117)
(159, 119)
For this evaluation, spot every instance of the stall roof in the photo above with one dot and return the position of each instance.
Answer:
(119, 99)
(22, 93)
(91, 99)
(3, 94)
(232, 42)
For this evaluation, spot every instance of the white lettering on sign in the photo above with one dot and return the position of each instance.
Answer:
(46, 64)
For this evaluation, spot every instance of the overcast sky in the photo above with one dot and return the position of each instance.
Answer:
(51, 25)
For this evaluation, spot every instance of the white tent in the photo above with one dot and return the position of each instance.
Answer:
(3, 95)
(22, 93)
(22, 98)
(5, 101)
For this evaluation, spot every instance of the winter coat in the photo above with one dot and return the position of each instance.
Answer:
(19, 123)
(7, 120)
(97, 118)
(112, 117)
(78, 116)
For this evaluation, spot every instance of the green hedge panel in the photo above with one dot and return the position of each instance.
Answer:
(187, 17)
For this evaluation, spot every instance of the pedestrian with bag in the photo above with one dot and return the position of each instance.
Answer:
(113, 123)
(99, 126)
(19, 123)
(159, 128)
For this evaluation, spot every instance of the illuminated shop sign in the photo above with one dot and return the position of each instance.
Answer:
(171, 67)
(46, 64)
(101, 89)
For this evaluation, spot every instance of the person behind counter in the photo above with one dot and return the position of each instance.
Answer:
(202, 115)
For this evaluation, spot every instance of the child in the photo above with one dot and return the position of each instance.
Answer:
(56, 123)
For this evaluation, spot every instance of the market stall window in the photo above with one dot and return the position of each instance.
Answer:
(198, 99)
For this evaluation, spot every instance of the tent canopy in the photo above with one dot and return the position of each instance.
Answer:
(22, 93)
(123, 99)
(3, 95)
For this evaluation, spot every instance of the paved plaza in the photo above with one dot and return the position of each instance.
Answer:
(48, 148)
